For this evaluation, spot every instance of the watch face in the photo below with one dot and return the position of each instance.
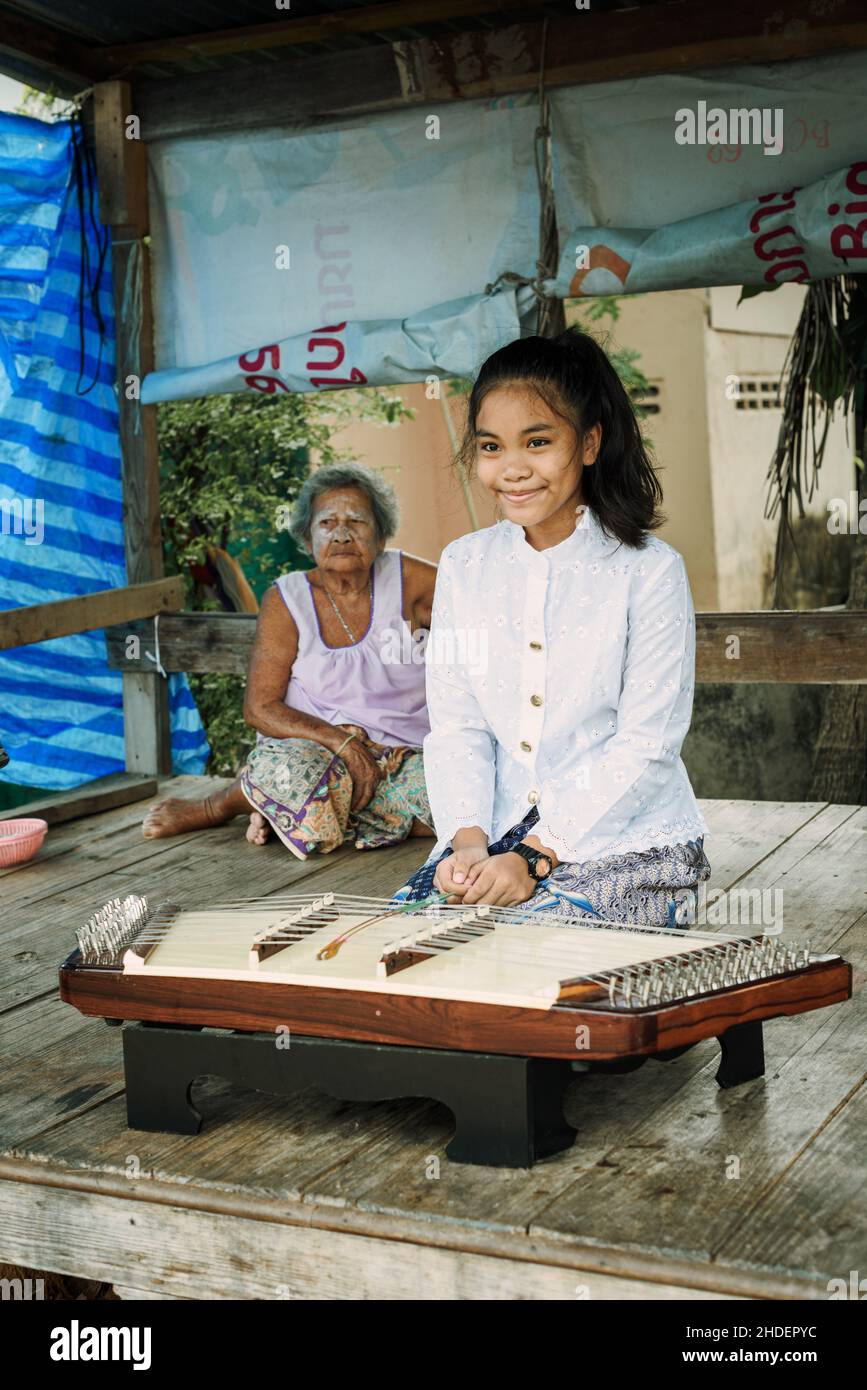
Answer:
(534, 859)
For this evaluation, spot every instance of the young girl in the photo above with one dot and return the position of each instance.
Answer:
(553, 766)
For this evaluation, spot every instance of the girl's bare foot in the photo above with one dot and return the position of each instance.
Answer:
(258, 830)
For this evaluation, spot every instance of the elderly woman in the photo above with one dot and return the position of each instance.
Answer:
(336, 689)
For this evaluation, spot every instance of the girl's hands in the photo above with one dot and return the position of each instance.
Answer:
(474, 876)
(455, 873)
(503, 880)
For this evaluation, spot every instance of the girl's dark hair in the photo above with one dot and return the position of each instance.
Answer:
(574, 377)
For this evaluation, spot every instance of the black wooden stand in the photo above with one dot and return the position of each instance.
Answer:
(508, 1110)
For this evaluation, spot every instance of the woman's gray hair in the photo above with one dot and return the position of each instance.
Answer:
(380, 494)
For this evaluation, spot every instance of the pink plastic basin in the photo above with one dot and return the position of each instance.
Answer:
(20, 840)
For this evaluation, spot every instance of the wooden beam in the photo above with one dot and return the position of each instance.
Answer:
(795, 648)
(320, 28)
(809, 648)
(121, 161)
(219, 642)
(21, 627)
(104, 794)
(582, 48)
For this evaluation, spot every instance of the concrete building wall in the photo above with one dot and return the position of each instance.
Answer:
(713, 456)
(668, 331)
(748, 356)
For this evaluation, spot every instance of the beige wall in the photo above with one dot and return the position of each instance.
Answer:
(713, 458)
(668, 331)
(742, 442)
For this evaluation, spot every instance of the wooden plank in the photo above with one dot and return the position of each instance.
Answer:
(121, 162)
(816, 1216)
(146, 727)
(78, 851)
(122, 176)
(72, 1071)
(249, 1140)
(40, 622)
(189, 1253)
(466, 1203)
(103, 794)
(795, 648)
(821, 648)
(743, 835)
(385, 1189)
(256, 1154)
(611, 1112)
(199, 642)
(135, 1295)
(583, 48)
(673, 1186)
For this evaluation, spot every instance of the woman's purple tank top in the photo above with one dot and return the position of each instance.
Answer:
(379, 681)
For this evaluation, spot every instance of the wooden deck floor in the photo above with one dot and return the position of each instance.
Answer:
(314, 1197)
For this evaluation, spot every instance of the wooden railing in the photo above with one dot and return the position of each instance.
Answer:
(825, 647)
(821, 647)
(40, 622)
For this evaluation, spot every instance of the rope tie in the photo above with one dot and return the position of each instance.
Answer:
(546, 263)
(154, 656)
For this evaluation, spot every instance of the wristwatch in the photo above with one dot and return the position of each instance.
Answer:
(535, 858)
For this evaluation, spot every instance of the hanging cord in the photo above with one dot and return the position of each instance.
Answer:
(154, 656)
(549, 311)
(90, 277)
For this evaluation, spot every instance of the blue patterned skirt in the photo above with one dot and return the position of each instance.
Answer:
(655, 887)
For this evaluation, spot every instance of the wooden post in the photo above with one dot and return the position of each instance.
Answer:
(121, 162)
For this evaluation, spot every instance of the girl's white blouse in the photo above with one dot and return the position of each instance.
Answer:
(564, 679)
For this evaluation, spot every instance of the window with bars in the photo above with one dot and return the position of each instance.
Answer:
(648, 400)
(759, 393)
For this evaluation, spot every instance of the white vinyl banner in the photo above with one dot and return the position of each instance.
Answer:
(361, 252)
(263, 238)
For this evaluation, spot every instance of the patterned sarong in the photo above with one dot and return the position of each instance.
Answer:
(304, 791)
(656, 887)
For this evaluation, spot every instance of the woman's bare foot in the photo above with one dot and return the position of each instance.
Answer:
(176, 817)
(258, 830)
(173, 817)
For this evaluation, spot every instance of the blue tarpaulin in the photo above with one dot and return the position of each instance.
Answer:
(61, 528)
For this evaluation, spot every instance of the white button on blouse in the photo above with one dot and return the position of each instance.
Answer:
(564, 679)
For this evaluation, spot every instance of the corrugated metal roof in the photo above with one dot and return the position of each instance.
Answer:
(96, 24)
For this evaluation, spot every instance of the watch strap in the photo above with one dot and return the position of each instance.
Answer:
(532, 857)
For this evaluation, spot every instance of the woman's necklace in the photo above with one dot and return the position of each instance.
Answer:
(346, 628)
